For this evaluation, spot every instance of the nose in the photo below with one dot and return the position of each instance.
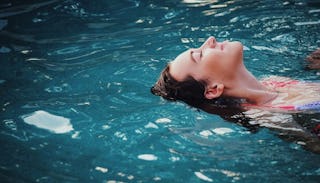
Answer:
(210, 42)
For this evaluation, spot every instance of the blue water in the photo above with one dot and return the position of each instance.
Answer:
(75, 104)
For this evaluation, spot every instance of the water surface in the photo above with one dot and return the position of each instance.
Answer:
(75, 102)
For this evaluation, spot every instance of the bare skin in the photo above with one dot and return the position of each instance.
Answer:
(220, 66)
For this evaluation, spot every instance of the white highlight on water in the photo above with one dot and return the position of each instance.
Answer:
(163, 120)
(307, 23)
(222, 131)
(151, 125)
(203, 177)
(206, 133)
(102, 169)
(47, 121)
(76, 135)
(148, 157)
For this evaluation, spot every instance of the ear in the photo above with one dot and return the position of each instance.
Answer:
(213, 91)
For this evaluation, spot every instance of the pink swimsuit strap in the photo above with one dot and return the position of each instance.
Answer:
(280, 84)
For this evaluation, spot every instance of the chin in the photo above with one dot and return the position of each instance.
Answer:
(234, 45)
(236, 48)
(237, 52)
(238, 44)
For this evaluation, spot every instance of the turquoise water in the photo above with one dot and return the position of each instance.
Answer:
(75, 102)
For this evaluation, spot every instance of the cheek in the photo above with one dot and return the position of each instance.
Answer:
(208, 67)
(212, 60)
(219, 63)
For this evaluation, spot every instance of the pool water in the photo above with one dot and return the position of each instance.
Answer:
(75, 82)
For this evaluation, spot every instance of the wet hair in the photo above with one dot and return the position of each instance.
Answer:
(189, 91)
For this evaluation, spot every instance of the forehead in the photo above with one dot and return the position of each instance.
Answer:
(180, 67)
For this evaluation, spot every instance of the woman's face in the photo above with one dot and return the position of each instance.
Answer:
(211, 62)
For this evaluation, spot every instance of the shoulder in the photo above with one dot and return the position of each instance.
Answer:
(278, 81)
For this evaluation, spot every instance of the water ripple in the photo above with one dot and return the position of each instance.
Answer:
(92, 64)
(20, 9)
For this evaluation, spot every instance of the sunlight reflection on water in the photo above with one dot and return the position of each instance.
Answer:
(47, 121)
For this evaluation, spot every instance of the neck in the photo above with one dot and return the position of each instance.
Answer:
(246, 86)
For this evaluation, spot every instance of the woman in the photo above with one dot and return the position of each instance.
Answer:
(214, 78)
(215, 73)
